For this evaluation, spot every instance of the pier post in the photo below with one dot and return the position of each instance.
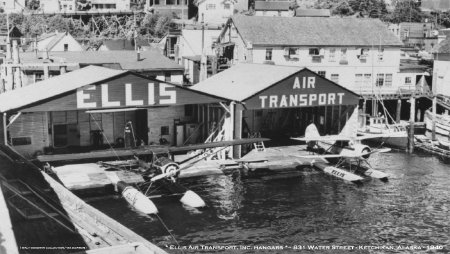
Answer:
(364, 107)
(238, 114)
(433, 123)
(399, 110)
(412, 117)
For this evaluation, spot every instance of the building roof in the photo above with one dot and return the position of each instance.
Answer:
(123, 44)
(56, 39)
(435, 5)
(57, 85)
(246, 78)
(313, 31)
(272, 5)
(299, 12)
(126, 59)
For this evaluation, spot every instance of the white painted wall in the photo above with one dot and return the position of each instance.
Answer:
(174, 78)
(49, 5)
(217, 15)
(12, 6)
(121, 5)
(190, 43)
(441, 77)
(275, 13)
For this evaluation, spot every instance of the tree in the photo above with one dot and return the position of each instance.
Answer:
(33, 4)
(343, 9)
(369, 8)
(405, 11)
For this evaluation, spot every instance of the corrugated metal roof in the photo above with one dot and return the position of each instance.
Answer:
(49, 88)
(150, 60)
(314, 31)
(272, 5)
(299, 12)
(244, 80)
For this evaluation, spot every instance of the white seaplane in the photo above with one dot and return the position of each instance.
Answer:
(344, 149)
(159, 171)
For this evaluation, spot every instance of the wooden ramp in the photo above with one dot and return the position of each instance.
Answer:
(78, 177)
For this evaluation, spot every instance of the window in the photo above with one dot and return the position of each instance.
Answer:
(66, 47)
(332, 56)
(364, 52)
(321, 73)
(226, 6)
(380, 79)
(388, 80)
(335, 78)
(344, 54)
(367, 79)
(164, 130)
(358, 80)
(167, 76)
(21, 141)
(291, 53)
(210, 6)
(269, 54)
(314, 51)
(407, 80)
(380, 54)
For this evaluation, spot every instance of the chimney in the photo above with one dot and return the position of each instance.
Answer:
(15, 51)
(45, 54)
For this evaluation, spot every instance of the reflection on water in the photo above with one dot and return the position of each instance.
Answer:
(411, 209)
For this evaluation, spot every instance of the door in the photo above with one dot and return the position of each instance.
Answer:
(141, 126)
(180, 135)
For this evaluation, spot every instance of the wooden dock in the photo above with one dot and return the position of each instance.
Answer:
(427, 145)
(276, 158)
(75, 223)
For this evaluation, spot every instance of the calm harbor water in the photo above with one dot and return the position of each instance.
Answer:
(409, 211)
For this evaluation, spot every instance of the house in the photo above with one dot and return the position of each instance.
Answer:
(441, 68)
(300, 12)
(14, 34)
(189, 50)
(273, 8)
(110, 5)
(181, 8)
(49, 6)
(38, 66)
(68, 5)
(124, 44)
(421, 36)
(360, 54)
(214, 11)
(13, 6)
(57, 42)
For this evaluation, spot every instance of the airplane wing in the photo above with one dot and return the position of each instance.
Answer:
(372, 136)
(323, 138)
(351, 155)
(145, 150)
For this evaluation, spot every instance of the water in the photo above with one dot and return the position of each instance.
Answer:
(411, 210)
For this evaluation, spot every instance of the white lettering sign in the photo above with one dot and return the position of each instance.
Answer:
(105, 98)
(300, 100)
(172, 94)
(82, 97)
(129, 97)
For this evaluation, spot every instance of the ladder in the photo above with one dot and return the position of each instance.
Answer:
(259, 146)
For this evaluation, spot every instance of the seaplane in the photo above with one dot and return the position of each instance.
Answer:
(154, 164)
(345, 150)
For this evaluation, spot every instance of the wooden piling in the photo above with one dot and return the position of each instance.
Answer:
(433, 125)
(412, 117)
(399, 110)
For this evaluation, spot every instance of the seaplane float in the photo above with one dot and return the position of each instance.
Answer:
(342, 155)
(154, 164)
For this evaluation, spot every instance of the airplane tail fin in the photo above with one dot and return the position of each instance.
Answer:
(351, 126)
(311, 132)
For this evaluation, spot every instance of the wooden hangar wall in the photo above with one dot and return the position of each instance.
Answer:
(156, 110)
